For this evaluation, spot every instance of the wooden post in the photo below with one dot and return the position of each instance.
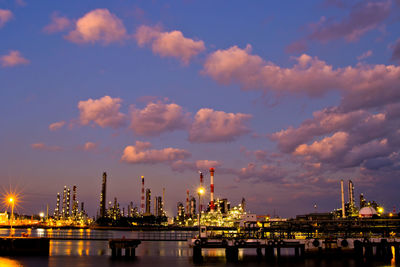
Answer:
(197, 257)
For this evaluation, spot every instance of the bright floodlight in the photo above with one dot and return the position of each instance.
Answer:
(380, 210)
(201, 190)
(41, 214)
(11, 200)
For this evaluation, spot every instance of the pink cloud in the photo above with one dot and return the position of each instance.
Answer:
(98, 25)
(264, 172)
(364, 16)
(57, 24)
(14, 58)
(56, 125)
(89, 146)
(327, 148)
(5, 16)
(169, 44)
(365, 55)
(323, 122)
(44, 147)
(361, 86)
(142, 154)
(202, 165)
(103, 112)
(158, 117)
(218, 126)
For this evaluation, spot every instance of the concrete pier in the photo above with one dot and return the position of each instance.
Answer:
(128, 245)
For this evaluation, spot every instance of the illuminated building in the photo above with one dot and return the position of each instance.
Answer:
(103, 196)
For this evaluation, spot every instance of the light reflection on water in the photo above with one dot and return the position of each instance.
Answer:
(78, 253)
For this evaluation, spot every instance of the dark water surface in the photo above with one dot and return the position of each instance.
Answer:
(82, 253)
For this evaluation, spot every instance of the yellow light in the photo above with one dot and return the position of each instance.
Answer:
(11, 200)
(390, 214)
(201, 190)
(380, 210)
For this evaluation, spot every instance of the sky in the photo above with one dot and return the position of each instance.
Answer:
(283, 99)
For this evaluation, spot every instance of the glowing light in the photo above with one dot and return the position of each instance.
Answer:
(11, 199)
(380, 210)
(41, 214)
(201, 191)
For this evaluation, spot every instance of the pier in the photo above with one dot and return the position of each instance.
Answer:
(128, 245)
(379, 248)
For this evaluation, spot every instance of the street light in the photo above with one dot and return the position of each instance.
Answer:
(200, 192)
(11, 201)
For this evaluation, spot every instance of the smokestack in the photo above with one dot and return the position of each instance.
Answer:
(211, 189)
(142, 201)
(351, 193)
(103, 196)
(163, 201)
(343, 211)
(187, 203)
(201, 185)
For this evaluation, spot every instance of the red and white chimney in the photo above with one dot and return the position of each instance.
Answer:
(201, 186)
(211, 189)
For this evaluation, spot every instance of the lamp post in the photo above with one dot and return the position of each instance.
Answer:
(11, 201)
(200, 192)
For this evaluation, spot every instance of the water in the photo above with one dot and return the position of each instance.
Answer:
(83, 253)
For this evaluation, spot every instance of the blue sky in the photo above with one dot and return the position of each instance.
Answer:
(223, 80)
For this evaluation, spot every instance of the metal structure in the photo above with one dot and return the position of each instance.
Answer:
(103, 196)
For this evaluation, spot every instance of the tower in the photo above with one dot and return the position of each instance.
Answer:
(342, 191)
(67, 213)
(103, 196)
(142, 200)
(148, 201)
(187, 203)
(74, 203)
(201, 185)
(351, 193)
(64, 203)
(57, 210)
(211, 189)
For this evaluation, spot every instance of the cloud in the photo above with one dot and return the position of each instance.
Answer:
(44, 147)
(324, 122)
(265, 172)
(364, 16)
(140, 153)
(157, 118)
(396, 51)
(57, 24)
(5, 16)
(202, 165)
(327, 148)
(361, 86)
(89, 146)
(365, 55)
(169, 44)
(103, 112)
(98, 25)
(296, 47)
(56, 125)
(218, 126)
(20, 2)
(14, 58)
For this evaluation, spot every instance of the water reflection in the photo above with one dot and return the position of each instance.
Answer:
(6, 262)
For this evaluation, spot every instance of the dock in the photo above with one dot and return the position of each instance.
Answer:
(128, 245)
(379, 248)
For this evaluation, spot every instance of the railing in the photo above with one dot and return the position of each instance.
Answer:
(166, 236)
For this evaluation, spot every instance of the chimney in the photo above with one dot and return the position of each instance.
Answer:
(211, 189)
(343, 210)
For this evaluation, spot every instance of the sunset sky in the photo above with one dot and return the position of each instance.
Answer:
(282, 98)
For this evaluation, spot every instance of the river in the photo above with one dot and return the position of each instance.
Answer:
(83, 253)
